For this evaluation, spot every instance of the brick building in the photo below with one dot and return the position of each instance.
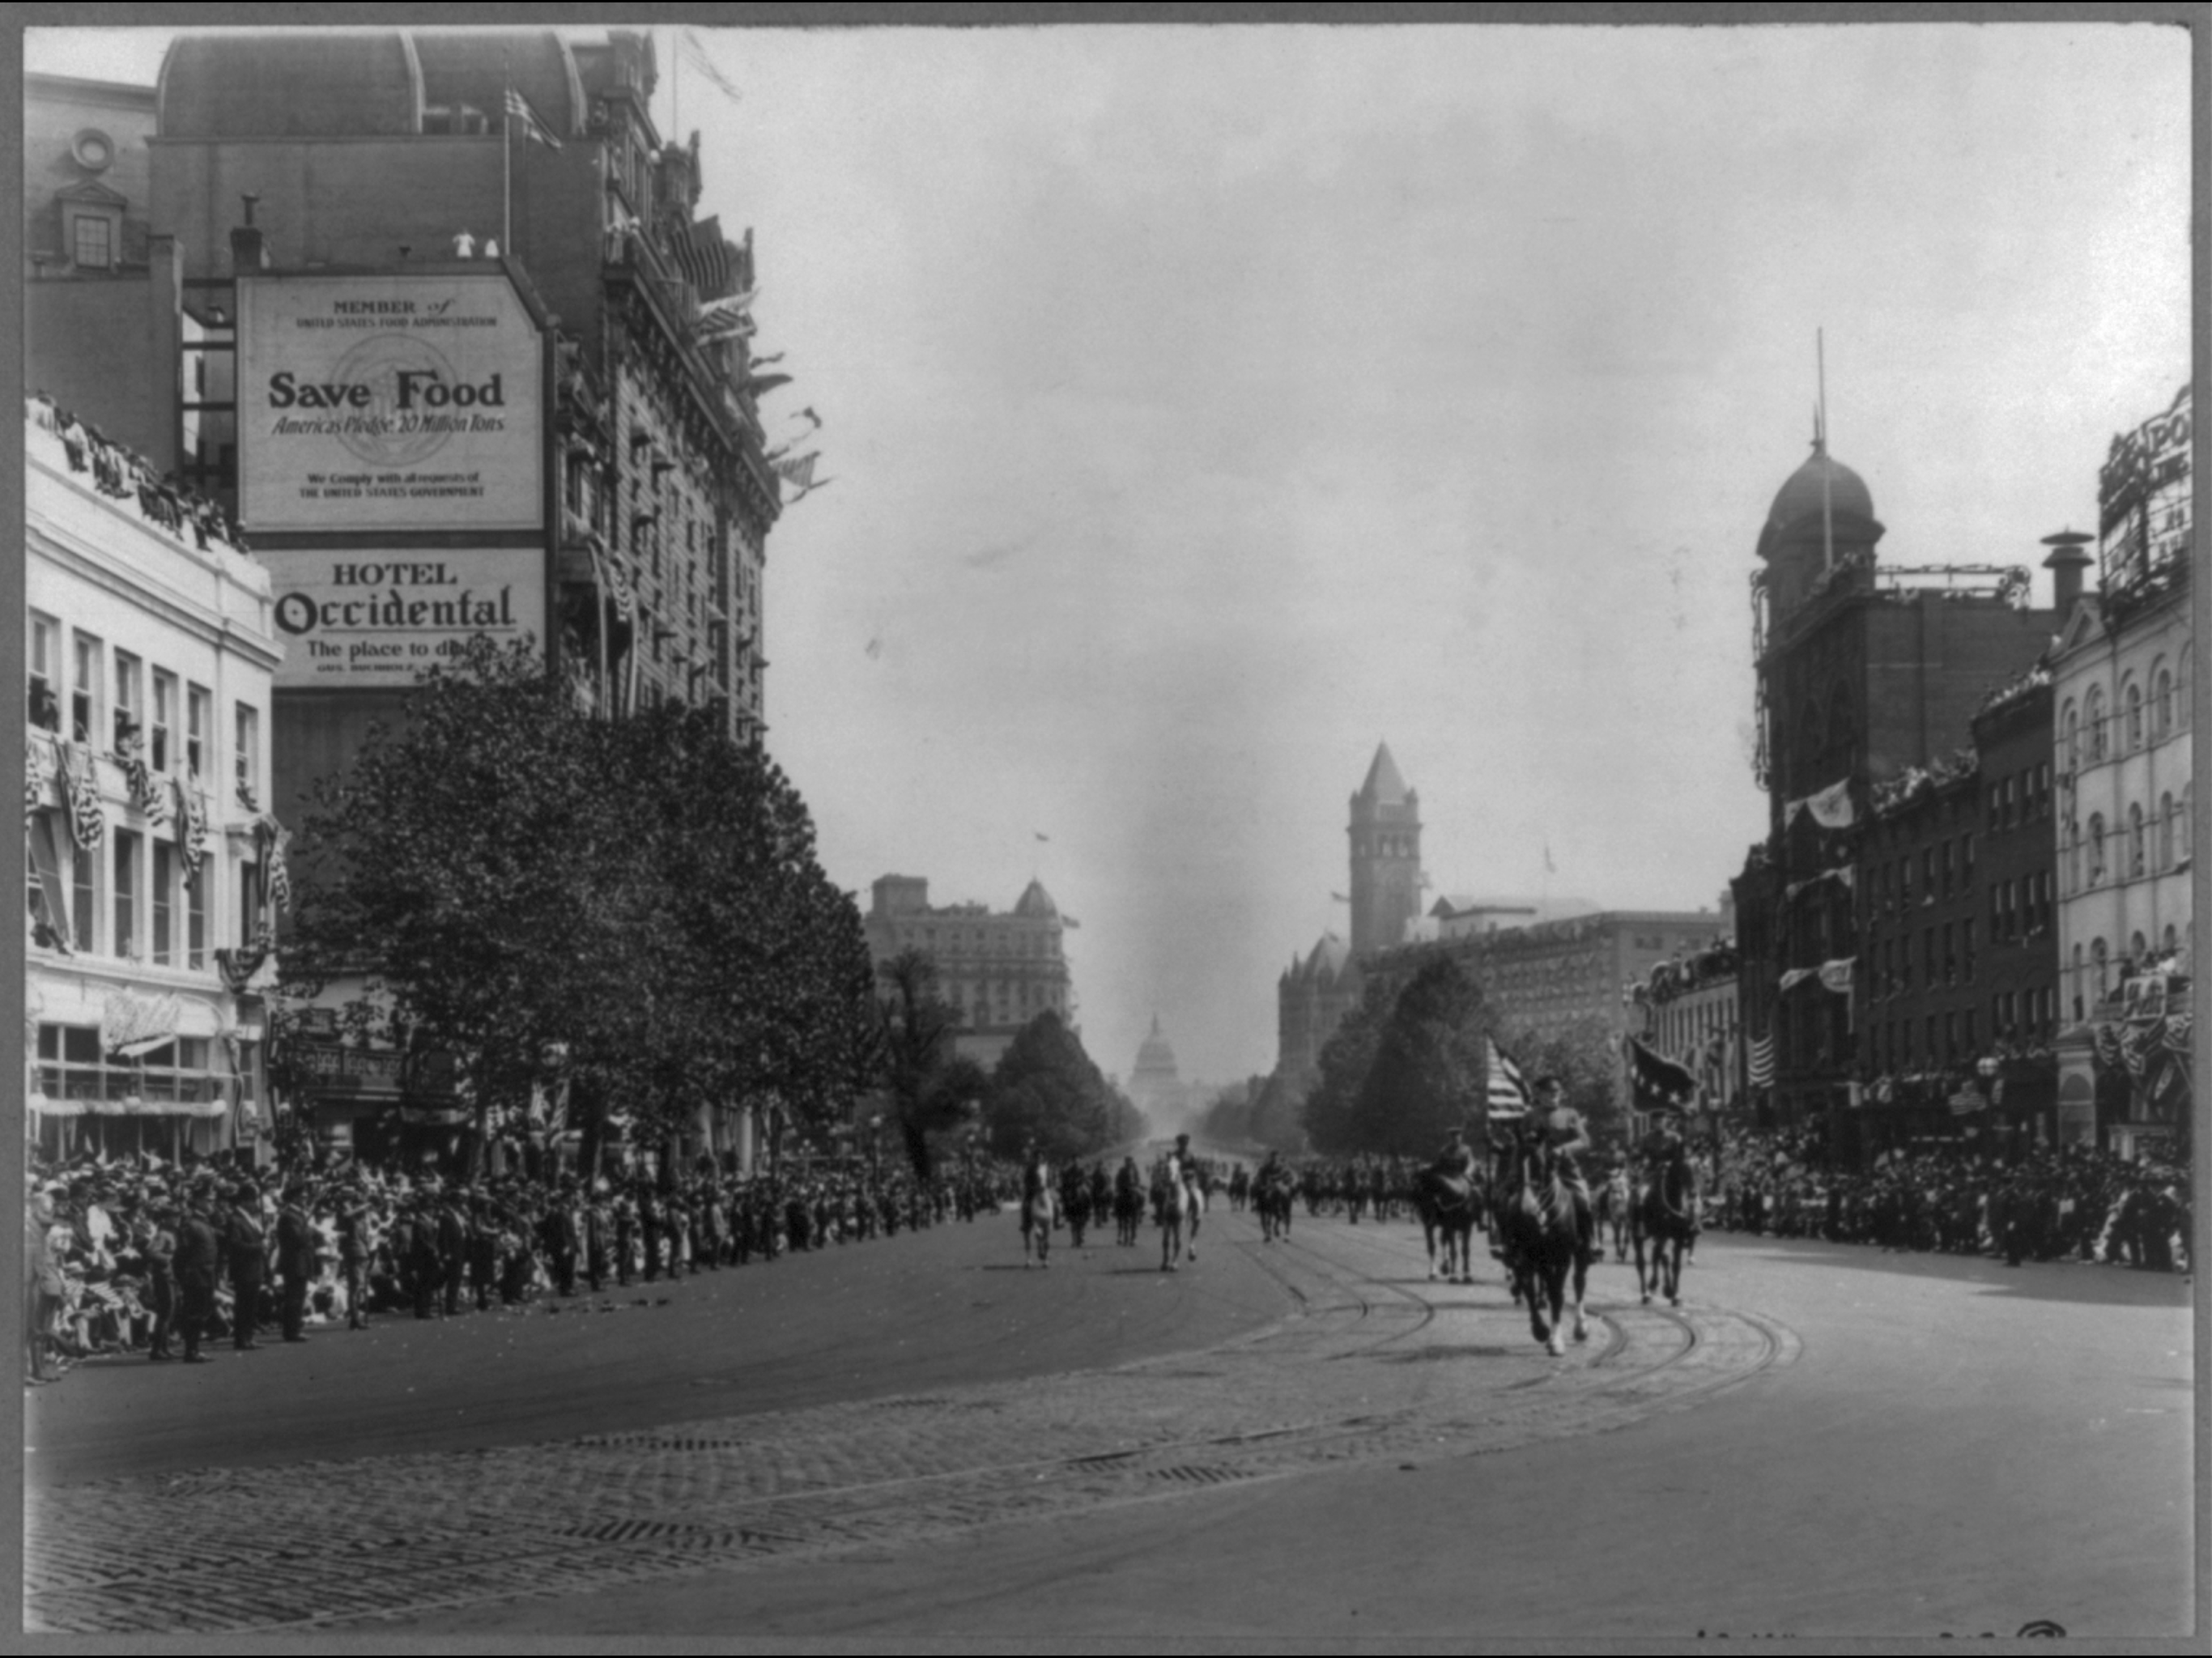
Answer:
(1866, 673)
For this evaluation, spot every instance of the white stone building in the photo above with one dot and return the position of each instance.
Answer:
(2122, 691)
(151, 860)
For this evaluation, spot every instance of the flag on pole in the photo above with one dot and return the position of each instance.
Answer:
(1041, 834)
(797, 470)
(690, 51)
(524, 117)
(1506, 1094)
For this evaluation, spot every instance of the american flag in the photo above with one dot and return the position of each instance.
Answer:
(87, 823)
(34, 777)
(519, 113)
(1762, 1061)
(798, 470)
(1507, 1094)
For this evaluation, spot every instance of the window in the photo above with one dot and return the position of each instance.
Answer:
(1967, 1018)
(195, 916)
(84, 691)
(2168, 821)
(1949, 870)
(84, 899)
(2163, 704)
(164, 895)
(92, 240)
(199, 715)
(2072, 725)
(2077, 983)
(247, 758)
(165, 716)
(2137, 842)
(126, 893)
(1928, 875)
(130, 708)
(249, 900)
(2096, 847)
(44, 689)
(2093, 714)
(1966, 861)
(1967, 950)
(1950, 956)
(2134, 703)
(2097, 965)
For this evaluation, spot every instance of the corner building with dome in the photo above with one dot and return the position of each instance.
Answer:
(997, 971)
(1869, 674)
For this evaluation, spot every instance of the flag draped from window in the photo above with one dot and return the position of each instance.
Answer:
(1506, 1094)
(87, 823)
(146, 790)
(271, 839)
(238, 966)
(34, 777)
(192, 824)
(1762, 1062)
(522, 115)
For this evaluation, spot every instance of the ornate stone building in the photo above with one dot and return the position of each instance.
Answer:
(997, 971)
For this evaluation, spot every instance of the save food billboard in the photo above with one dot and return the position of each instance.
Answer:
(388, 403)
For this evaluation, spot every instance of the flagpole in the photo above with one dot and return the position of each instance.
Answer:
(506, 163)
(1827, 511)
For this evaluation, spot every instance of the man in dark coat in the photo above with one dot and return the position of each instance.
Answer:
(160, 1252)
(428, 1265)
(296, 1258)
(198, 1253)
(247, 1243)
(354, 1247)
(454, 1239)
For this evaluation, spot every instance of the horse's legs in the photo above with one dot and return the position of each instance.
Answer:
(1582, 1279)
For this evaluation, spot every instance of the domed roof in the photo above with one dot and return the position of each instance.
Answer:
(1799, 497)
(1155, 1056)
(1036, 904)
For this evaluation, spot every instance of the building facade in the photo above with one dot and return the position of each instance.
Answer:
(1865, 674)
(1691, 1018)
(996, 971)
(154, 865)
(2123, 695)
(1385, 832)
(1311, 998)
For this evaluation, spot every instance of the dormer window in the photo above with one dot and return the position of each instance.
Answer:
(92, 225)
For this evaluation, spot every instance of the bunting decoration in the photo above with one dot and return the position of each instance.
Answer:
(238, 966)
(1831, 807)
(270, 839)
(87, 823)
(798, 470)
(1796, 976)
(146, 791)
(34, 777)
(1506, 1094)
(1837, 975)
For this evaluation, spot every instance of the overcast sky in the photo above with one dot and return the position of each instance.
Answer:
(1206, 406)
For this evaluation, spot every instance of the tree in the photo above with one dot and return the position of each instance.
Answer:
(1047, 1091)
(1330, 1115)
(1581, 1055)
(930, 1086)
(1430, 1066)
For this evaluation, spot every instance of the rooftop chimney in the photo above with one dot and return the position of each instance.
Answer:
(249, 250)
(2066, 563)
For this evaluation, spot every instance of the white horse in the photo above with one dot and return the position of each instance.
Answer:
(1175, 1209)
(1039, 1212)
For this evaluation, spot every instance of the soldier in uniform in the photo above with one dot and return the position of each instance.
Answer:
(198, 1254)
(246, 1244)
(295, 1260)
(355, 1247)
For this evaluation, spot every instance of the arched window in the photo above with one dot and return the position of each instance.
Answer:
(2078, 991)
(2073, 859)
(2096, 847)
(2073, 729)
(2169, 943)
(2133, 697)
(2097, 966)
(2181, 683)
(2161, 697)
(2138, 953)
(2137, 842)
(2092, 715)
(2168, 821)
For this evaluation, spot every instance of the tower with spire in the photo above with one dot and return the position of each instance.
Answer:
(1386, 856)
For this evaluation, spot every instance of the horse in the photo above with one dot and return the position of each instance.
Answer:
(1616, 1203)
(1040, 1213)
(1547, 1230)
(1129, 1208)
(1450, 1207)
(1075, 1203)
(1271, 1196)
(1666, 1219)
(1176, 1211)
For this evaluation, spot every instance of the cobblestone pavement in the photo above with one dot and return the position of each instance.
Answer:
(1374, 1362)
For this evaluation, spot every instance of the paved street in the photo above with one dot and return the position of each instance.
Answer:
(919, 1437)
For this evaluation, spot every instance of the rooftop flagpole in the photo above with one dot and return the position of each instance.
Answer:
(506, 157)
(1827, 510)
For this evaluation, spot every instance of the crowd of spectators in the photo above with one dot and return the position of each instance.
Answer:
(141, 1255)
(2056, 1203)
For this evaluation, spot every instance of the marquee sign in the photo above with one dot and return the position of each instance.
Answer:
(396, 403)
(354, 619)
(2143, 497)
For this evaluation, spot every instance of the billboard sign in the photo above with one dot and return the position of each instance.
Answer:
(388, 403)
(351, 620)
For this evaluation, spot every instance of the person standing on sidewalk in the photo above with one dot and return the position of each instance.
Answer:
(295, 1260)
(246, 1242)
(354, 1250)
(43, 1289)
(198, 1253)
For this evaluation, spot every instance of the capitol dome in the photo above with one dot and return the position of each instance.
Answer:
(1155, 1057)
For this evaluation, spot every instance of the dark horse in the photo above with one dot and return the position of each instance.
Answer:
(1450, 1207)
(1546, 1232)
(1667, 1220)
(1271, 1196)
